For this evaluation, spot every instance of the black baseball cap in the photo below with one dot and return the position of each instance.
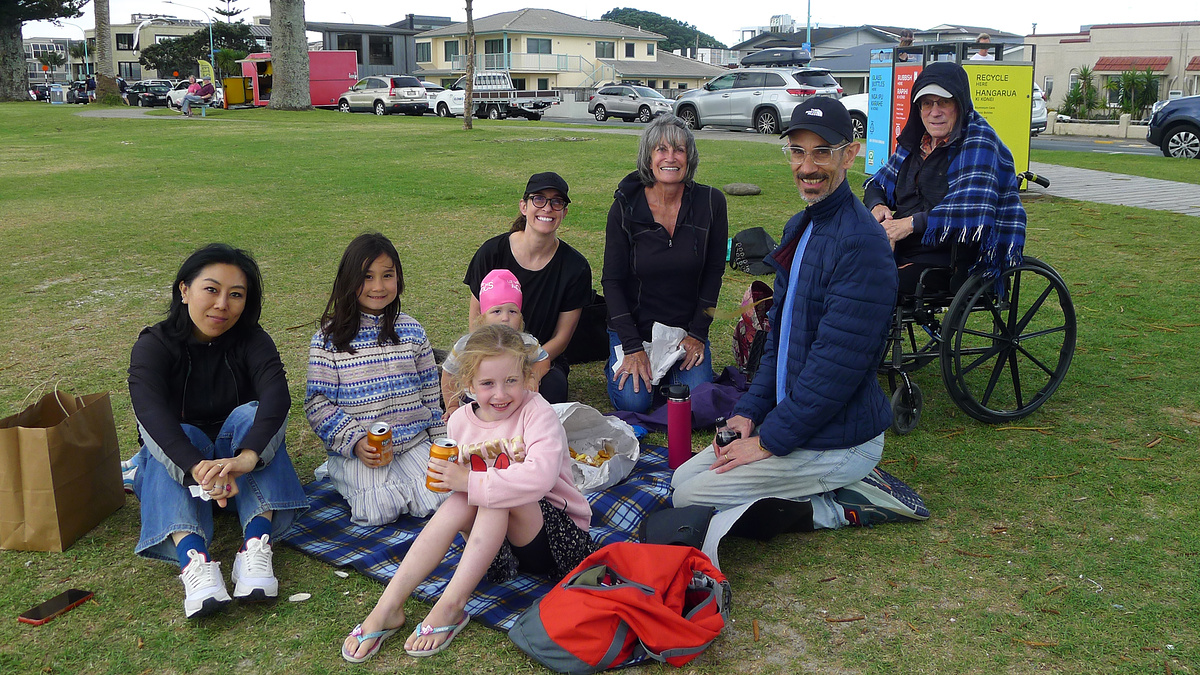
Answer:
(824, 116)
(547, 180)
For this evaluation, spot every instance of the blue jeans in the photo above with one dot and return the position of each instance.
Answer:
(802, 475)
(169, 507)
(640, 402)
(188, 100)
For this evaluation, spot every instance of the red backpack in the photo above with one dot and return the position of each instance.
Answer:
(624, 603)
(750, 333)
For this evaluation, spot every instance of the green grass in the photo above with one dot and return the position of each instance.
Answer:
(1070, 548)
(1147, 166)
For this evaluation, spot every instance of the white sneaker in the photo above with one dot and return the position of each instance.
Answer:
(253, 577)
(204, 587)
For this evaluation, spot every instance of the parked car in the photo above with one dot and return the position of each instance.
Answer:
(431, 93)
(494, 97)
(1175, 127)
(77, 93)
(175, 96)
(754, 97)
(856, 105)
(39, 92)
(1037, 120)
(383, 94)
(629, 102)
(145, 95)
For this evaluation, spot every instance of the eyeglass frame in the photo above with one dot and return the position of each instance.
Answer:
(929, 102)
(556, 203)
(788, 153)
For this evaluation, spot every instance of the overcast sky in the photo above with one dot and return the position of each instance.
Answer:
(710, 16)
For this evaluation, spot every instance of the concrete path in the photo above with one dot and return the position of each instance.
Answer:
(1088, 185)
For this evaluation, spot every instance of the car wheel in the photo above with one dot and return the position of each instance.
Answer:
(644, 114)
(601, 113)
(344, 106)
(493, 112)
(380, 108)
(860, 125)
(443, 110)
(766, 122)
(141, 102)
(533, 117)
(1183, 143)
(690, 118)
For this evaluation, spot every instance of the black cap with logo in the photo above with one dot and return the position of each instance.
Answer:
(547, 180)
(825, 117)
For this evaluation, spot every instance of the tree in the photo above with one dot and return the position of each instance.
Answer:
(13, 75)
(182, 53)
(52, 60)
(227, 60)
(1089, 95)
(289, 56)
(678, 33)
(106, 82)
(79, 52)
(1135, 91)
(229, 11)
(469, 89)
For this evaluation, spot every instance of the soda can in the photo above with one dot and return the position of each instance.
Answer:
(379, 437)
(442, 448)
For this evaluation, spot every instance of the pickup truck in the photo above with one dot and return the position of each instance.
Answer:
(494, 97)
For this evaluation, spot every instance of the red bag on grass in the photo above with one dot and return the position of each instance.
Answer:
(624, 603)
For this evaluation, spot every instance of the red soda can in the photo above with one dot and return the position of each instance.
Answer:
(379, 437)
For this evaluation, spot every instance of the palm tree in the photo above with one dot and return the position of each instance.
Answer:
(227, 60)
(52, 60)
(79, 52)
(106, 83)
(1089, 97)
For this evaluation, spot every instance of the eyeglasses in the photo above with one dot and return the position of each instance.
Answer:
(928, 102)
(556, 203)
(820, 155)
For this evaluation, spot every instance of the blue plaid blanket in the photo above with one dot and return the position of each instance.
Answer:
(326, 533)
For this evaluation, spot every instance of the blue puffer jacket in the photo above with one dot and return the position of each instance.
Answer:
(840, 324)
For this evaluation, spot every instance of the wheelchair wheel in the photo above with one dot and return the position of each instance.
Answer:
(907, 402)
(1003, 355)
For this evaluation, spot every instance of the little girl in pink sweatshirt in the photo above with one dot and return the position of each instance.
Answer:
(519, 510)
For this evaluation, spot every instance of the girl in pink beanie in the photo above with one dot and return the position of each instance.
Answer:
(499, 302)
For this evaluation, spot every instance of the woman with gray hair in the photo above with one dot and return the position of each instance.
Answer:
(664, 253)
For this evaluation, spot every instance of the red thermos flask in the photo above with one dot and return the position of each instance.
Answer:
(679, 425)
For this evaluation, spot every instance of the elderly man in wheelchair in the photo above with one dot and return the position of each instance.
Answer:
(949, 201)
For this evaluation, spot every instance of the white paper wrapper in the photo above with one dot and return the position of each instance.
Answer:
(588, 432)
(663, 350)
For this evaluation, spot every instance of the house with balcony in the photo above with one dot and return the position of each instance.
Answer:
(128, 39)
(545, 49)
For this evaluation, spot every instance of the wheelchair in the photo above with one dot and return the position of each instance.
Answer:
(1004, 345)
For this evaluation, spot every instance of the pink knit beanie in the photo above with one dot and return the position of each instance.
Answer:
(497, 288)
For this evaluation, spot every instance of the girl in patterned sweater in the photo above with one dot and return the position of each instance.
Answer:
(513, 499)
(371, 362)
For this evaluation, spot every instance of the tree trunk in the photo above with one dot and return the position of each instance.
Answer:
(13, 84)
(106, 73)
(469, 90)
(289, 56)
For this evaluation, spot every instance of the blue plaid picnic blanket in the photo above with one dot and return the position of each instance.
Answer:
(326, 533)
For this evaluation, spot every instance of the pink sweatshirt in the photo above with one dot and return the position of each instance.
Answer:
(544, 470)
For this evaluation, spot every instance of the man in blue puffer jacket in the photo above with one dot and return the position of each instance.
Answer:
(812, 423)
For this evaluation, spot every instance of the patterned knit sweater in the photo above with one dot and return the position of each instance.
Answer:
(393, 383)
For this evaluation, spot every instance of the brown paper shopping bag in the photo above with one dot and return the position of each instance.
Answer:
(60, 471)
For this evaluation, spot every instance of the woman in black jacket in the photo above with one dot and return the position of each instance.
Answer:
(664, 252)
(211, 401)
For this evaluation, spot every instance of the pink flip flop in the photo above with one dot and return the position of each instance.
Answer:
(378, 636)
(426, 629)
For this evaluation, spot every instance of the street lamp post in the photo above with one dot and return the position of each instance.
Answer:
(212, 54)
(86, 69)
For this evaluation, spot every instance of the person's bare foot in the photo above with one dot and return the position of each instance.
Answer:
(442, 614)
(376, 621)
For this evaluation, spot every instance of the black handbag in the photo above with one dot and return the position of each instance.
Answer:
(590, 341)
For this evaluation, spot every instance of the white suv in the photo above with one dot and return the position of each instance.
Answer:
(758, 98)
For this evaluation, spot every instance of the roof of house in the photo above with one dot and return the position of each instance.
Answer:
(1194, 64)
(323, 27)
(544, 21)
(971, 31)
(1110, 64)
(666, 65)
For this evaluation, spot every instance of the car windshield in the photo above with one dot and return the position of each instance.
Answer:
(647, 92)
(819, 78)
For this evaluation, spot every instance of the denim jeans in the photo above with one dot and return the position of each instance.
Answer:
(188, 100)
(802, 475)
(168, 506)
(640, 402)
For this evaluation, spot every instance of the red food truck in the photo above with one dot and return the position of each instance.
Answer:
(329, 74)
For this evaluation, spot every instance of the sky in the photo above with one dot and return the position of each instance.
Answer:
(710, 16)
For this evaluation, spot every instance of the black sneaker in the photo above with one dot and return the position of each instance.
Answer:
(880, 498)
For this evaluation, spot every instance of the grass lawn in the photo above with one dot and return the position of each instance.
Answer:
(1147, 166)
(1067, 545)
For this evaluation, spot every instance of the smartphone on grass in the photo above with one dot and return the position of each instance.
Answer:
(59, 604)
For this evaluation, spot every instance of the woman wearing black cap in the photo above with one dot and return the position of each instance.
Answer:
(556, 280)
(664, 252)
